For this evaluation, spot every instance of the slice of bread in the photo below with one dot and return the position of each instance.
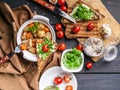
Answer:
(42, 62)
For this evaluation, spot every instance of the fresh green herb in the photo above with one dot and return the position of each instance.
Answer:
(52, 88)
(82, 13)
(43, 55)
(34, 27)
(72, 59)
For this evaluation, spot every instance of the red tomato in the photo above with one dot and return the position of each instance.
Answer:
(64, 8)
(66, 78)
(89, 65)
(61, 46)
(58, 80)
(79, 47)
(60, 34)
(58, 27)
(61, 2)
(69, 87)
(76, 29)
(90, 26)
(45, 48)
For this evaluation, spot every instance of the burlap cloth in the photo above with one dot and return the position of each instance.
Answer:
(17, 73)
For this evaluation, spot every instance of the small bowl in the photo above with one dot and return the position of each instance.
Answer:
(69, 70)
(94, 47)
(36, 18)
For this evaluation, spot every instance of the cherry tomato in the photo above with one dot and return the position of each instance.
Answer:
(45, 48)
(60, 34)
(58, 80)
(61, 2)
(69, 87)
(79, 47)
(76, 29)
(61, 46)
(89, 65)
(64, 8)
(90, 26)
(66, 78)
(58, 27)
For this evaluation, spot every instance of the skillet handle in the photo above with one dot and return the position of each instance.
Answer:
(4, 59)
(45, 4)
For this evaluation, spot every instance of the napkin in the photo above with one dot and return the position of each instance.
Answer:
(18, 73)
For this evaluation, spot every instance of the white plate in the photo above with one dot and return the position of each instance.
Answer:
(47, 79)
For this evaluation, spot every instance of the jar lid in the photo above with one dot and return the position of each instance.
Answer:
(110, 52)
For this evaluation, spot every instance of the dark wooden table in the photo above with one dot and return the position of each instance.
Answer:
(106, 75)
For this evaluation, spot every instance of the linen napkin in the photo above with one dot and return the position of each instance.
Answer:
(18, 73)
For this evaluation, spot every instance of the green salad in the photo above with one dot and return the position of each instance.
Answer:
(52, 88)
(82, 12)
(43, 55)
(72, 59)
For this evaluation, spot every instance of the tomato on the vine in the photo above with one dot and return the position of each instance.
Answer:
(61, 46)
(60, 34)
(58, 80)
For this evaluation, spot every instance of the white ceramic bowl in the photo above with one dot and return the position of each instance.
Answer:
(69, 70)
(89, 48)
(36, 18)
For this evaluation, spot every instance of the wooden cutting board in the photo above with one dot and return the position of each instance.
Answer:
(115, 27)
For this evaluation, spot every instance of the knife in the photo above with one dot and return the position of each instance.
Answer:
(55, 10)
(8, 56)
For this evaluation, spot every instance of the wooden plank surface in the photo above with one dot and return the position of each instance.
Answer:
(86, 81)
(114, 25)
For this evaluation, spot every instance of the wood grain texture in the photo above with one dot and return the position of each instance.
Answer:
(115, 27)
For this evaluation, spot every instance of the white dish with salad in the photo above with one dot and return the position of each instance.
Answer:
(72, 60)
(32, 32)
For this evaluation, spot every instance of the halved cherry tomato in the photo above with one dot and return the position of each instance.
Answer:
(76, 29)
(45, 48)
(66, 78)
(90, 26)
(79, 47)
(58, 80)
(64, 8)
(61, 2)
(89, 65)
(61, 46)
(58, 27)
(60, 34)
(69, 87)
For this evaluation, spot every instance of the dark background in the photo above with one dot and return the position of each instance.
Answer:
(103, 75)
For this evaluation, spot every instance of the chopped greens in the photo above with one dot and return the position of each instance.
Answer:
(43, 55)
(82, 12)
(52, 88)
(72, 59)
(33, 27)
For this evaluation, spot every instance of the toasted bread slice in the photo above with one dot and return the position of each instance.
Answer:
(44, 57)
(96, 14)
(91, 15)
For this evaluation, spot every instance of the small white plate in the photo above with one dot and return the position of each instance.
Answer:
(47, 79)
